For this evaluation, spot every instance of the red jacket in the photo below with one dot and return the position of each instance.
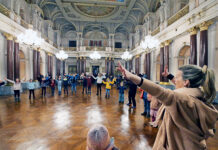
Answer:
(89, 81)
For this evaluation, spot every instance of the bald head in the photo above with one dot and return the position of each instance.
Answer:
(98, 138)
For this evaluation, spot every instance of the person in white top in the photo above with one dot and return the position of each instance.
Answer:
(17, 87)
(99, 79)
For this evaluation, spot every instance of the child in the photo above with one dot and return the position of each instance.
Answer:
(73, 80)
(17, 87)
(108, 84)
(155, 105)
(83, 76)
(121, 89)
(99, 79)
(65, 83)
(59, 83)
(89, 84)
(146, 103)
(31, 87)
(44, 85)
(52, 85)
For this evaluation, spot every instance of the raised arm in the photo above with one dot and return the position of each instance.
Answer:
(166, 96)
(9, 80)
(168, 75)
(94, 77)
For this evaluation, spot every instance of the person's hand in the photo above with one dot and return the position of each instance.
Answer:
(165, 73)
(5, 78)
(124, 72)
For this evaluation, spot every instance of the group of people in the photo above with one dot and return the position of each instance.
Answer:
(187, 115)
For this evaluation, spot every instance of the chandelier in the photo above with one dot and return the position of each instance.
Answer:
(30, 37)
(126, 55)
(150, 42)
(95, 55)
(61, 55)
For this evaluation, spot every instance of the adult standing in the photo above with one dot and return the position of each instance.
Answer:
(99, 79)
(190, 117)
(132, 94)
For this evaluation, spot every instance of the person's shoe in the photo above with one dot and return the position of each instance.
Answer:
(133, 107)
(128, 104)
(144, 114)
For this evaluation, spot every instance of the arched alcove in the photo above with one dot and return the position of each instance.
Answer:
(184, 56)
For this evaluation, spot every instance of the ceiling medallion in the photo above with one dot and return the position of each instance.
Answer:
(95, 10)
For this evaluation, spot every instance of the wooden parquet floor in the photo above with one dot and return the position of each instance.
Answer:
(62, 123)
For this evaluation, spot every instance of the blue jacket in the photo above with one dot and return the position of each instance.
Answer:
(73, 79)
(65, 82)
(121, 89)
(59, 83)
(31, 86)
(144, 95)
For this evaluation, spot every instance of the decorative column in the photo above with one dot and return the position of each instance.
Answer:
(80, 62)
(58, 64)
(112, 66)
(38, 62)
(16, 60)
(161, 62)
(10, 56)
(166, 56)
(148, 65)
(130, 65)
(51, 64)
(78, 65)
(203, 60)
(137, 64)
(84, 64)
(63, 67)
(109, 66)
(48, 64)
(34, 65)
(106, 65)
(193, 46)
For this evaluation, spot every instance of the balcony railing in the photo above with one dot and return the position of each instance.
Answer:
(92, 48)
(156, 31)
(119, 49)
(70, 48)
(178, 15)
(4, 10)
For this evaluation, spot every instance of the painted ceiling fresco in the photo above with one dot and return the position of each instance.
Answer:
(113, 15)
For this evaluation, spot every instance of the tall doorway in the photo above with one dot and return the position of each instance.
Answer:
(95, 70)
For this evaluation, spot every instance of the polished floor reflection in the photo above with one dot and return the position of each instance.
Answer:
(61, 122)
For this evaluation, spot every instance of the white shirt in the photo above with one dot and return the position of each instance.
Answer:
(99, 79)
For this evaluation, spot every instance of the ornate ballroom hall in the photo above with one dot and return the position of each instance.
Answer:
(76, 41)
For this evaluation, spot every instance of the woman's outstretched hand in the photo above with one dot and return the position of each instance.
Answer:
(165, 73)
(124, 72)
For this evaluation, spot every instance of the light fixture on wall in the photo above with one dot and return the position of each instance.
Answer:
(126, 56)
(61, 55)
(30, 37)
(95, 55)
(150, 42)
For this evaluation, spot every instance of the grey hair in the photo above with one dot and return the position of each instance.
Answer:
(201, 77)
(98, 137)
